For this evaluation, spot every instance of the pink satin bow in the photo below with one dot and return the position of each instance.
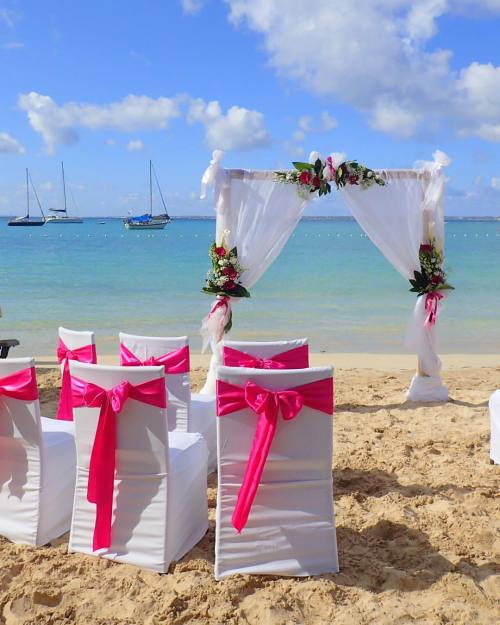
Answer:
(102, 458)
(20, 385)
(176, 361)
(87, 353)
(267, 404)
(296, 358)
(432, 300)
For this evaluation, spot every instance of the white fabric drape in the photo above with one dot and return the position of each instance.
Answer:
(398, 218)
(260, 215)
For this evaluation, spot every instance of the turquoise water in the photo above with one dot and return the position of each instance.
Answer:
(330, 284)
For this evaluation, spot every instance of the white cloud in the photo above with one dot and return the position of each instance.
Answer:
(495, 183)
(306, 125)
(328, 122)
(7, 17)
(135, 145)
(57, 124)
(379, 59)
(47, 186)
(9, 145)
(110, 142)
(237, 129)
(192, 6)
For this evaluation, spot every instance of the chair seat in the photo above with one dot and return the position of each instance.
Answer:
(204, 420)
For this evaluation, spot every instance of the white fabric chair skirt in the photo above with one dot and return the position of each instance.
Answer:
(160, 496)
(187, 412)
(291, 527)
(495, 427)
(37, 468)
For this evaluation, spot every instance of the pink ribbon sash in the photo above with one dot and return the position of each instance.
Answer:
(267, 404)
(296, 358)
(102, 459)
(176, 361)
(87, 353)
(20, 385)
(432, 300)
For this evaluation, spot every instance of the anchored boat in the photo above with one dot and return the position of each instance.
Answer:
(27, 220)
(148, 221)
(62, 216)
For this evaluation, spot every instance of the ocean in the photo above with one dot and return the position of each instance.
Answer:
(329, 284)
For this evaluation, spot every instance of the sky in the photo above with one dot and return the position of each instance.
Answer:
(106, 86)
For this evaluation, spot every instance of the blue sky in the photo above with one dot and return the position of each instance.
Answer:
(105, 86)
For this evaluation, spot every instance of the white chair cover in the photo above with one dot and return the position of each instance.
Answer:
(37, 468)
(73, 339)
(187, 412)
(160, 500)
(291, 528)
(264, 349)
(495, 427)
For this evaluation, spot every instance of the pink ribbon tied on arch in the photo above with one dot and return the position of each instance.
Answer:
(267, 404)
(176, 361)
(87, 353)
(20, 385)
(432, 300)
(103, 456)
(295, 358)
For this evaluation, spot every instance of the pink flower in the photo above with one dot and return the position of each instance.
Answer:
(231, 272)
(220, 251)
(436, 279)
(329, 169)
(316, 182)
(426, 247)
(305, 177)
(353, 179)
(230, 285)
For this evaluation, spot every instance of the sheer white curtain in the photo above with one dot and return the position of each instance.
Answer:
(260, 215)
(397, 218)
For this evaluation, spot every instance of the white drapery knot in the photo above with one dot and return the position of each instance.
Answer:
(210, 175)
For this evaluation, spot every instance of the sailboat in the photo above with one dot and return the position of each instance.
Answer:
(27, 220)
(148, 221)
(62, 216)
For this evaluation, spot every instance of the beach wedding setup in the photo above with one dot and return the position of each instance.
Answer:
(123, 467)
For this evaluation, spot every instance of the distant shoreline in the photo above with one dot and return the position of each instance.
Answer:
(338, 218)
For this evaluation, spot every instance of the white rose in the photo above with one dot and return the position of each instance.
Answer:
(338, 158)
(313, 157)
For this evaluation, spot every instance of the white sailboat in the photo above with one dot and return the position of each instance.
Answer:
(148, 221)
(62, 216)
(27, 220)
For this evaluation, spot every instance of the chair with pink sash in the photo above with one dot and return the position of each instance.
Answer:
(275, 498)
(494, 405)
(72, 345)
(37, 461)
(187, 412)
(266, 355)
(140, 492)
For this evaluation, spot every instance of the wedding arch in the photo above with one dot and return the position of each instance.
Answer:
(400, 210)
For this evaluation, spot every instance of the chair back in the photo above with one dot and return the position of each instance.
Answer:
(178, 384)
(20, 458)
(298, 358)
(139, 527)
(494, 405)
(75, 339)
(290, 528)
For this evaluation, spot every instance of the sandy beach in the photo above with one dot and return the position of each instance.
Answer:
(418, 525)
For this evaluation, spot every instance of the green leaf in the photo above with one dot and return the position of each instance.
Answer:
(318, 166)
(302, 166)
(234, 251)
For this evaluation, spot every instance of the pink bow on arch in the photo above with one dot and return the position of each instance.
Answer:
(87, 353)
(432, 300)
(176, 361)
(295, 358)
(267, 404)
(102, 458)
(20, 385)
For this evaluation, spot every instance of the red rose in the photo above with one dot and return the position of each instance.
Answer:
(426, 247)
(230, 271)
(436, 279)
(353, 179)
(316, 182)
(230, 285)
(220, 251)
(305, 177)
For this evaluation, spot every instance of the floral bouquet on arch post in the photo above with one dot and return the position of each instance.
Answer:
(223, 281)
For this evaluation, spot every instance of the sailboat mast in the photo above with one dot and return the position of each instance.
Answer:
(64, 187)
(150, 190)
(27, 192)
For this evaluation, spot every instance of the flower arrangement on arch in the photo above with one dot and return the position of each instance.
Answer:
(320, 173)
(431, 277)
(223, 279)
